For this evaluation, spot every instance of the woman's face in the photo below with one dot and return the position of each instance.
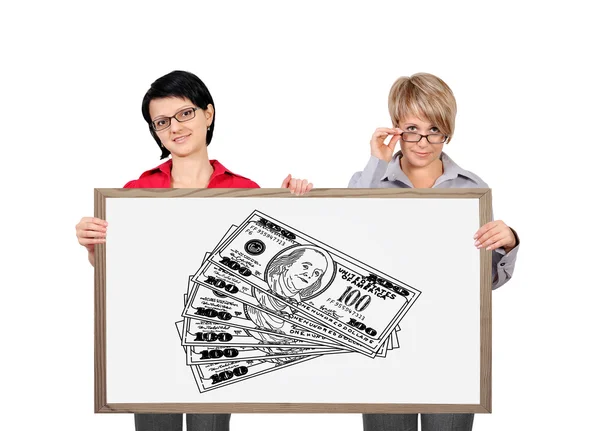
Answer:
(185, 137)
(422, 153)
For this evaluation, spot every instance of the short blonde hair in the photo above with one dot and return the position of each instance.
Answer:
(425, 96)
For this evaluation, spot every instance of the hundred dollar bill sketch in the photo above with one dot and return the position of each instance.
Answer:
(203, 334)
(211, 376)
(214, 334)
(269, 326)
(197, 355)
(289, 268)
(235, 351)
(207, 341)
(268, 297)
(204, 304)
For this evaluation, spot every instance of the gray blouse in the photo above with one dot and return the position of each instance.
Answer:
(379, 174)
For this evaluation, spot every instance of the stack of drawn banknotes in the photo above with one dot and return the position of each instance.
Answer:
(269, 296)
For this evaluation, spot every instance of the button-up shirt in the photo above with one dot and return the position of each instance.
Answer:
(160, 178)
(380, 174)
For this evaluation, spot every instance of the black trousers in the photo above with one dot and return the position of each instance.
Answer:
(174, 422)
(408, 422)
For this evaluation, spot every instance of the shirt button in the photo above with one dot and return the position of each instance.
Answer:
(503, 263)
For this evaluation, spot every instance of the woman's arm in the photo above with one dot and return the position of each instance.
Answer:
(504, 243)
(381, 155)
(91, 231)
(503, 263)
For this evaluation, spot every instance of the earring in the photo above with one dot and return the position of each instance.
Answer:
(208, 129)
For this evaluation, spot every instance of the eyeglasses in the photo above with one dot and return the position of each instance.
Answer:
(163, 123)
(435, 138)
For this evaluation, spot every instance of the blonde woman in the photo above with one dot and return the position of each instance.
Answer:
(423, 110)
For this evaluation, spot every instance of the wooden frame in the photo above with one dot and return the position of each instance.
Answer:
(100, 402)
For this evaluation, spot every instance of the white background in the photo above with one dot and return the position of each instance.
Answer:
(300, 87)
(438, 359)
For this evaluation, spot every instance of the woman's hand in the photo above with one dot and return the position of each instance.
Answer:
(296, 186)
(379, 148)
(91, 231)
(495, 234)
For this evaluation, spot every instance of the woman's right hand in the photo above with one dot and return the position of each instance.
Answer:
(91, 231)
(379, 148)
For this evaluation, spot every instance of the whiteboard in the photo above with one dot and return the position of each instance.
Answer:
(421, 241)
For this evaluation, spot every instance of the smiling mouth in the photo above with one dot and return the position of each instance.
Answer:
(303, 279)
(180, 139)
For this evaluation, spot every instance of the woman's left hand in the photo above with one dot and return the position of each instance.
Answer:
(296, 186)
(495, 234)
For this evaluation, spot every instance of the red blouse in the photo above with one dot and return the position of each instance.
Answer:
(160, 178)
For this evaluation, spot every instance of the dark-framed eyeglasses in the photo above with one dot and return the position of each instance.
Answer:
(435, 138)
(162, 123)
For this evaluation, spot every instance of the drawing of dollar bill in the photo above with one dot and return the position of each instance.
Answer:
(203, 304)
(320, 282)
(217, 375)
(226, 352)
(392, 340)
(266, 312)
(203, 335)
(214, 334)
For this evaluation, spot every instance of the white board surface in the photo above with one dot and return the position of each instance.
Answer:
(156, 244)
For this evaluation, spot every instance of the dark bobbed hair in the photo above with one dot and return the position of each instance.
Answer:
(178, 84)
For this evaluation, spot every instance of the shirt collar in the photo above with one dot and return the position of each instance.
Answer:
(165, 168)
(451, 171)
(219, 169)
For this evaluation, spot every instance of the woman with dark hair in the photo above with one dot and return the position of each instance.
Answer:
(180, 113)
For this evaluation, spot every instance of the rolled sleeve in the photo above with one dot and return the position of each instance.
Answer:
(503, 264)
(370, 176)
